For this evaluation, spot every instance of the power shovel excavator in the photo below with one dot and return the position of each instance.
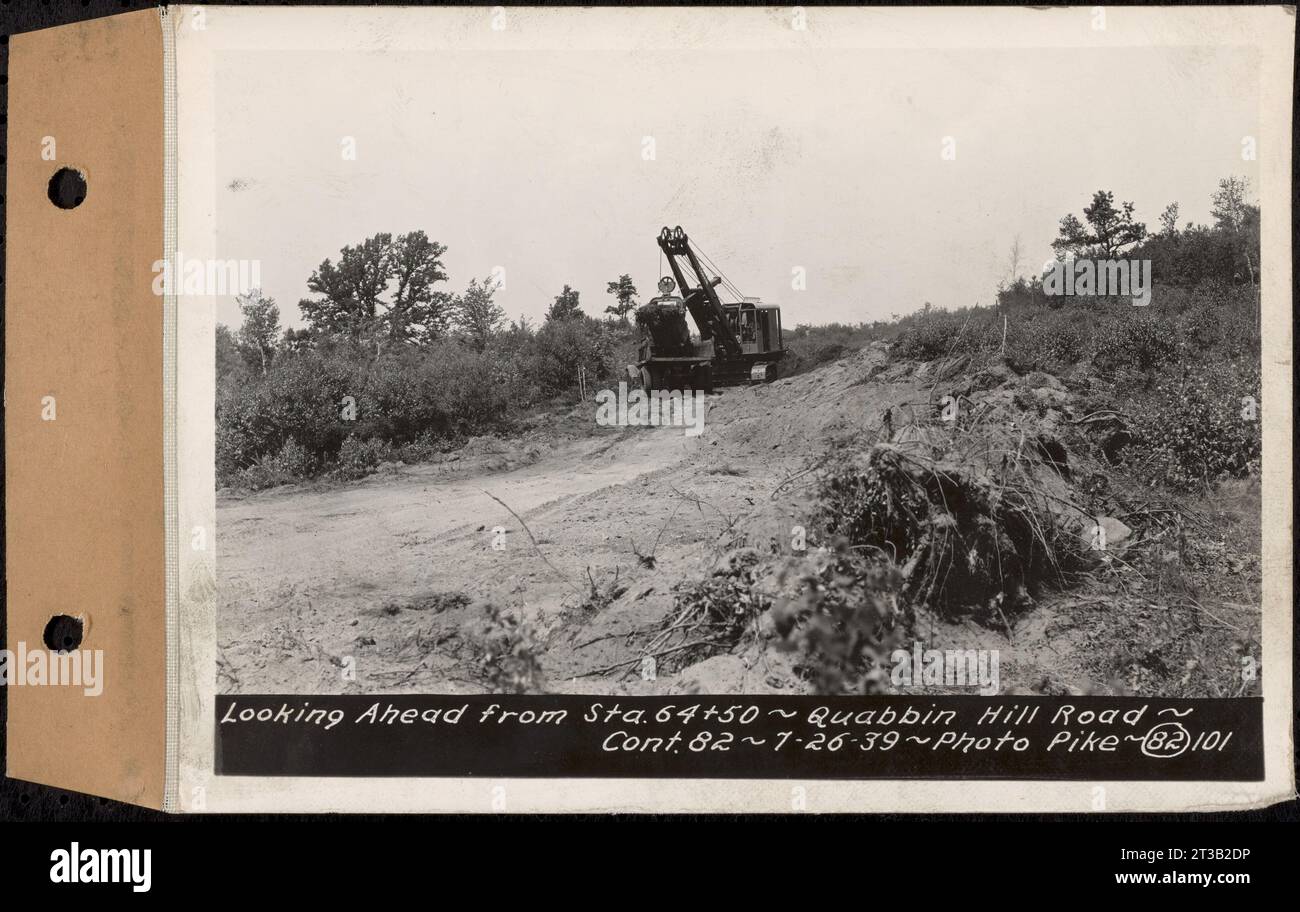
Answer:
(738, 342)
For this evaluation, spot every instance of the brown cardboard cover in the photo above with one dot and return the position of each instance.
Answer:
(84, 501)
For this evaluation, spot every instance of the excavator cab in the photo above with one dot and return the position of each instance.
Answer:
(757, 325)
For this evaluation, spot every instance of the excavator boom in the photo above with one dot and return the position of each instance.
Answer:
(700, 295)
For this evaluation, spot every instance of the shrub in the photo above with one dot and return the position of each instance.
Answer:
(1195, 429)
(1025, 293)
(447, 390)
(507, 652)
(290, 465)
(562, 346)
(1212, 318)
(937, 333)
(809, 347)
(1203, 328)
(1215, 318)
(442, 393)
(359, 458)
(1137, 340)
(1054, 339)
(1193, 256)
(300, 399)
(422, 449)
(1034, 337)
(841, 624)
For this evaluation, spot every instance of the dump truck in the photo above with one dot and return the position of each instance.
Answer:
(738, 341)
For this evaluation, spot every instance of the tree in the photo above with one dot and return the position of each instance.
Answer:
(1229, 203)
(381, 291)
(419, 312)
(296, 340)
(1109, 229)
(565, 306)
(257, 334)
(625, 293)
(478, 316)
(1169, 220)
(1234, 214)
(229, 358)
(1014, 259)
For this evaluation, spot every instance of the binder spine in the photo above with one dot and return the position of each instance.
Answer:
(86, 537)
(171, 506)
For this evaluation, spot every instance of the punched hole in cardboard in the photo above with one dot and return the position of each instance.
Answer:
(63, 633)
(67, 188)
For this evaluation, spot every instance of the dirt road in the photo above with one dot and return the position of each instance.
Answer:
(310, 579)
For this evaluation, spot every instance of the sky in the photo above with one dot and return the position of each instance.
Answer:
(829, 161)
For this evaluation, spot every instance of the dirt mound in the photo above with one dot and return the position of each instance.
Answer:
(802, 413)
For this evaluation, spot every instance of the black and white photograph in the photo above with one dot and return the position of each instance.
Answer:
(801, 372)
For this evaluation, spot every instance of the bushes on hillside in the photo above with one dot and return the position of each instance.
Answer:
(1211, 320)
(337, 402)
(359, 458)
(1135, 340)
(1050, 339)
(1029, 339)
(1181, 367)
(290, 464)
(809, 347)
(447, 390)
(1198, 427)
(1193, 256)
(937, 333)
(330, 403)
(562, 346)
(300, 399)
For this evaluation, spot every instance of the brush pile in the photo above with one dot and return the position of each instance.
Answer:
(713, 615)
(966, 533)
